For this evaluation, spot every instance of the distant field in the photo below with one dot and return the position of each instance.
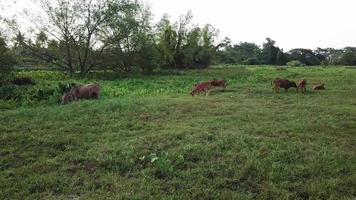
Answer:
(147, 138)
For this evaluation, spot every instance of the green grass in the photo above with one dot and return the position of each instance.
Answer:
(148, 139)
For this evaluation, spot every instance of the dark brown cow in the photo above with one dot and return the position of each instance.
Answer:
(219, 83)
(283, 83)
(302, 85)
(319, 87)
(89, 91)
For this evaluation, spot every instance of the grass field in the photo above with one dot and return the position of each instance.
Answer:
(147, 138)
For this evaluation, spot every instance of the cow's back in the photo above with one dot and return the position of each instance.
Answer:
(87, 91)
(283, 83)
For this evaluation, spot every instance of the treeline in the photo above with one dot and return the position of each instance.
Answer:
(79, 36)
(83, 35)
(251, 54)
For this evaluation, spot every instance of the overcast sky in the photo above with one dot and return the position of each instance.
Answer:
(291, 23)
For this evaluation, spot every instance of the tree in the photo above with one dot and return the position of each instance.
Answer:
(7, 60)
(328, 56)
(281, 58)
(182, 45)
(130, 38)
(167, 40)
(270, 52)
(305, 56)
(348, 57)
(76, 26)
(41, 40)
(242, 53)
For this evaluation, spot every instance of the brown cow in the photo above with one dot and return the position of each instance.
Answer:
(283, 83)
(302, 85)
(219, 83)
(202, 87)
(89, 91)
(319, 87)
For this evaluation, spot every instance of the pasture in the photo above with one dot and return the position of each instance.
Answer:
(147, 138)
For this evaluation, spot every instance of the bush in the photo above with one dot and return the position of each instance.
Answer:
(7, 60)
(295, 63)
(23, 81)
(251, 61)
(33, 95)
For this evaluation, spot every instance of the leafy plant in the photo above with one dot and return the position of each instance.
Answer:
(295, 63)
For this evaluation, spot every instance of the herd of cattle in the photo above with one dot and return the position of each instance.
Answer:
(92, 91)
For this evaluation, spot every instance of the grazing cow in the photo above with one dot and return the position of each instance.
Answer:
(219, 83)
(202, 87)
(319, 87)
(283, 83)
(89, 91)
(302, 85)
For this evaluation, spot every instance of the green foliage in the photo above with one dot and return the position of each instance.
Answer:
(295, 63)
(244, 142)
(348, 57)
(182, 47)
(7, 60)
(34, 95)
(305, 56)
(242, 53)
(270, 52)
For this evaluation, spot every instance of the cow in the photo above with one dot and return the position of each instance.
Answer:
(283, 83)
(89, 91)
(302, 85)
(319, 87)
(219, 83)
(202, 87)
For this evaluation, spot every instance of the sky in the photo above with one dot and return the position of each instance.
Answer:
(291, 23)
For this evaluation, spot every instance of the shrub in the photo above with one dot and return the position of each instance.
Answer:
(33, 95)
(295, 63)
(23, 81)
(7, 60)
(251, 61)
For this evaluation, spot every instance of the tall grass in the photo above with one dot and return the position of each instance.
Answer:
(147, 138)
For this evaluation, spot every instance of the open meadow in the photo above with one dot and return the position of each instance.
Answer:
(148, 138)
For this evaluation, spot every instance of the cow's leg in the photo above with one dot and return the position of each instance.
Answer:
(276, 89)
(286, 89)
(96, 95)
(207, 92)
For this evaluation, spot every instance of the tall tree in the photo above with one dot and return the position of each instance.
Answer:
(6, 60)
(305, 56)
(76, 26)
(182, 45)
(348, 57)
(242, 53)
(270, 51)
(130, 36)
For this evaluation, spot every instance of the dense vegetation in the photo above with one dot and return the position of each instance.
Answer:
(252, 54)
(119, 35)
(148, 138)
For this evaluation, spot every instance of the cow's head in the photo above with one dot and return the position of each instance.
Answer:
(292, 84)
(225, 84)
(67, 97)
